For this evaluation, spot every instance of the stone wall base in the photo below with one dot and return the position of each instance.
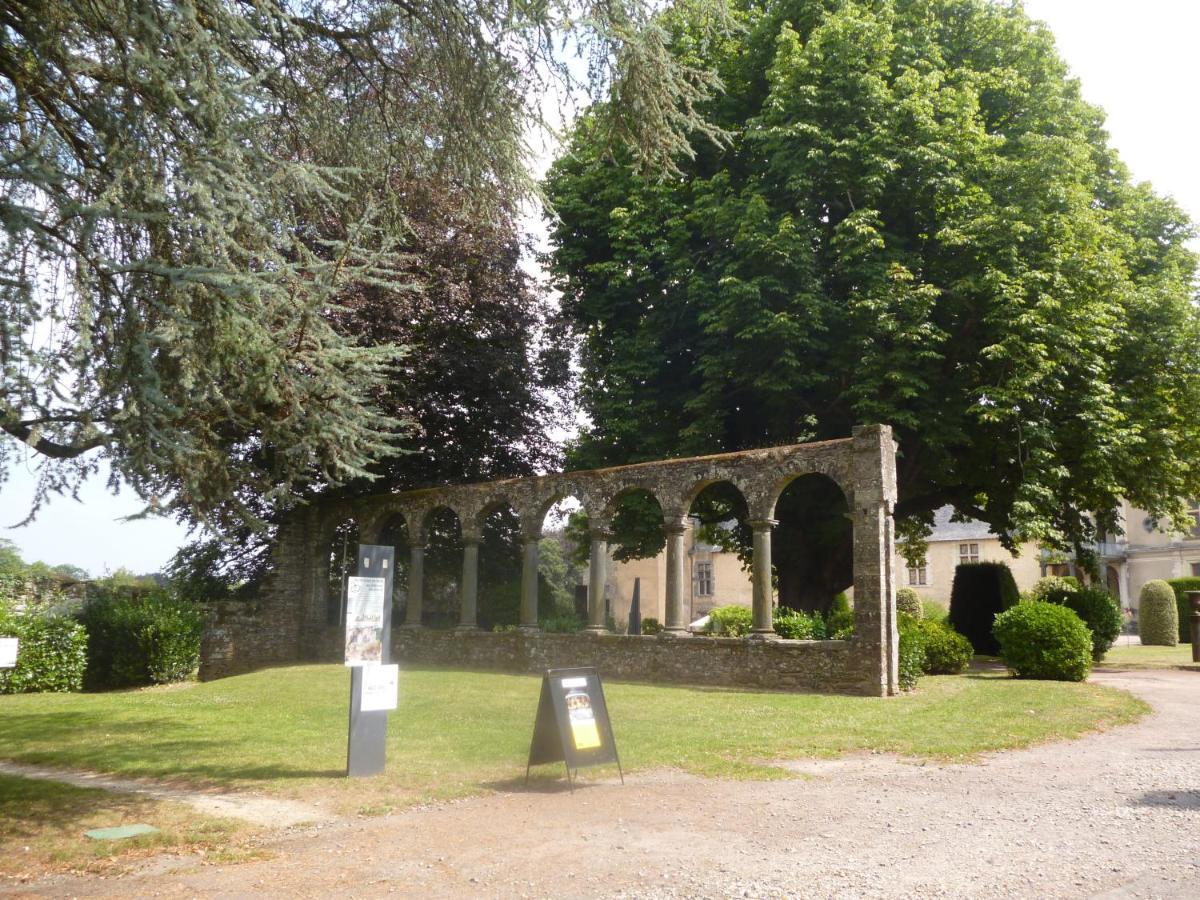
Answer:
(241, 636)
(828, 666)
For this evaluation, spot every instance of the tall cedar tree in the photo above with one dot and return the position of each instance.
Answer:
(917, 220)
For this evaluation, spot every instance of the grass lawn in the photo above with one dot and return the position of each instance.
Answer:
(1138, 657)
(42, 827)
(284, 730)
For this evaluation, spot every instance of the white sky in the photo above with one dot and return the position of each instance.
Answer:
(1137, 60)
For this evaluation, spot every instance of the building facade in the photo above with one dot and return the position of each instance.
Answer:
(1146, 550)
(718, 578)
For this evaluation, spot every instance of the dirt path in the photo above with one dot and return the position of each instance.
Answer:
(1111, 815)
(268, 811)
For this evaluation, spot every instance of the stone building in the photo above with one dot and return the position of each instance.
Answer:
(1144, 552)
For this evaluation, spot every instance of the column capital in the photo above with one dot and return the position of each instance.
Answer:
(600, 533)
(472, 535)
(675, 522)
(765, 524)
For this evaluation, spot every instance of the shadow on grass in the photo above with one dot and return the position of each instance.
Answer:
(133, 749)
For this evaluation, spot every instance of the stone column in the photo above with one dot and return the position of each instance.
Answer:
(874, 471)
(469, 593)
(597, 578)
(675, 528)
(529, 583)
(416, 586)
(763, 626)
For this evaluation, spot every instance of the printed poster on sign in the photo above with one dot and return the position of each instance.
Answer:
(379, 688)
(364, 621)
(585, 734)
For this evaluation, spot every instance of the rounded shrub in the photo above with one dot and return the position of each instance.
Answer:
(909, 601)
(798, 626)
(1044, 640)
(1051, 584)
(651, 625)
(1098, 610)
(1158, 617)
(980, 592)
(946, 651)
(730, 621)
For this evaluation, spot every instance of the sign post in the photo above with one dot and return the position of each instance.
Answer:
(572, 723)
(368, 650)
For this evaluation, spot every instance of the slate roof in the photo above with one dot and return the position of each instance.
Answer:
(945, 530)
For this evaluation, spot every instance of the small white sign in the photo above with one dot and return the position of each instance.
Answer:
(8, 652)
(379, 688)
(364, 620)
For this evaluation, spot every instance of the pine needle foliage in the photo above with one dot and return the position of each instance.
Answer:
(188, 188)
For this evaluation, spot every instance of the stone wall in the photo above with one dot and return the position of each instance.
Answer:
(829, 666)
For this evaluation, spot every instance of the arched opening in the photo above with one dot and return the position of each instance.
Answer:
(635, 589)
(443, 568)
(562, 570)
(342, 550)
(394, 533)
(1112, 580)
(719, 545)
(500, 569)
(813, 543)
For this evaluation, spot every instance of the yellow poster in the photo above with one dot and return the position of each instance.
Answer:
(584, 732)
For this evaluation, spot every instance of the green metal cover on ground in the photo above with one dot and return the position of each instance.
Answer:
(120, 831)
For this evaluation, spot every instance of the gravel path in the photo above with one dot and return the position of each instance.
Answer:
(1113, 815)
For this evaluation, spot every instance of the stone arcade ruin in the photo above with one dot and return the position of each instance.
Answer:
(288, 622)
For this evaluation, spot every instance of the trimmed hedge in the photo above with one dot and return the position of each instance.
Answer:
(1158, 617)
(51, 656)
(1044, 640)
(1181, 586)
(980, 592)
(1098, 610)
(151, 638)
(911, 651)
(946, 651)
(798, 626)
(909, 601)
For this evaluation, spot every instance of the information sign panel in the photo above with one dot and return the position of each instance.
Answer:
(8, 652)
(364, 620)
(572, 722)
(378, 688)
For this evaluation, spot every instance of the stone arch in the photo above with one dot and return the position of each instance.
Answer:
(442, 536)
(635, 509)
(703, 584)
(813, 535)
(341, 539)
(499, 576)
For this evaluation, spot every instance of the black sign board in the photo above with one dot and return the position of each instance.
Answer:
(572, 723)
(367, 742)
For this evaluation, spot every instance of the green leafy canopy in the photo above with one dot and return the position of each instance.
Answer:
(916, 220)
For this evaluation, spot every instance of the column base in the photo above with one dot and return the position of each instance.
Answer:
(763, 634)
(530, 629)
(674, 634)
(596, 629)
(466, 628)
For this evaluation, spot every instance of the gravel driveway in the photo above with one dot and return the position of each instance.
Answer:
(1111, 815)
